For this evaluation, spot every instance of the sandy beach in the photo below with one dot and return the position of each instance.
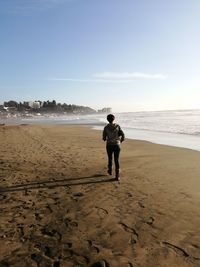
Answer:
(59, 207)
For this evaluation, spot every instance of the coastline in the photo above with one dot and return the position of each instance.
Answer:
(59, 206)
(184, 134)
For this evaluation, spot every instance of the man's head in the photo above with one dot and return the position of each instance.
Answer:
(110, 118)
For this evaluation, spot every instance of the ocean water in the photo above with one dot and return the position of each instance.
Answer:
(179, 128)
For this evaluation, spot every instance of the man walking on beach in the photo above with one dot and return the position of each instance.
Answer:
(114, 136)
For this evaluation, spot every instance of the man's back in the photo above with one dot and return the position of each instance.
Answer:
(112, 133)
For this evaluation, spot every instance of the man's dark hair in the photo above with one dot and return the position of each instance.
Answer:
(110, 118)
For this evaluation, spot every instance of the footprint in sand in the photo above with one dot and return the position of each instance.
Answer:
(134, 234)
(51, 252)
(48, 231)
(38, 216)
(141, 204)
(101, 212)
(129, 194)
(93, 248)
(48, 207)
(177, 249)
(150, 221)
(79, 194)
(69, 223)
(128, 228)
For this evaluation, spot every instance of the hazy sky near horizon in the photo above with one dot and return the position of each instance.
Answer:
(126, 54)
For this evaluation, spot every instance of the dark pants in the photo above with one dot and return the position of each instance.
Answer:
(113, 149)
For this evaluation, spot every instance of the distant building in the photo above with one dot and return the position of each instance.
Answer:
(105, 110)
(36, 105)
(33, 104)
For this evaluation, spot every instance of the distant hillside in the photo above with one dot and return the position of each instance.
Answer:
(44, 107)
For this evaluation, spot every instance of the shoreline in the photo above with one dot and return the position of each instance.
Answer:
(60, 208)
(162, 138)
(187, 141)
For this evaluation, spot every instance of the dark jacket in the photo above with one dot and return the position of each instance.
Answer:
(113, 134)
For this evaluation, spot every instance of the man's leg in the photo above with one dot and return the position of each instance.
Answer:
(109, 153)
(116, 158)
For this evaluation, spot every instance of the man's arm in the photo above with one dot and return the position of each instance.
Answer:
(121, 134)
(104, 135)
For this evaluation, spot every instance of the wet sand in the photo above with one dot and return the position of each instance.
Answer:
(60, 208)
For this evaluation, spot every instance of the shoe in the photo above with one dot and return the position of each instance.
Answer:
(117, 179)
(117, 175)
(110, 171)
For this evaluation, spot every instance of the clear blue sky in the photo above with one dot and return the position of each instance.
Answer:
(127, 54)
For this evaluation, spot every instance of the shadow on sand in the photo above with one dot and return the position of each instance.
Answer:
(94, 179)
